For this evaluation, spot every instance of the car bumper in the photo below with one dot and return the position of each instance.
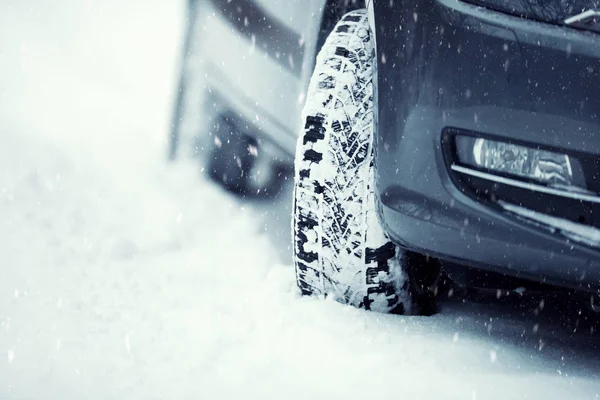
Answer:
(257, 57)
(470, 69)
(470, 234)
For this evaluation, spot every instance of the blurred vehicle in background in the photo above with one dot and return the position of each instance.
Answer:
(245, 70)
(436, 133)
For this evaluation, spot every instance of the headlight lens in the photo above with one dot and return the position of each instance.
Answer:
(546, 167)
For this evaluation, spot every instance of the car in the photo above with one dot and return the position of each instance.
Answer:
(244, 73)
(430, 138)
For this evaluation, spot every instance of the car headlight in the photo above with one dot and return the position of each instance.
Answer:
(503, 158)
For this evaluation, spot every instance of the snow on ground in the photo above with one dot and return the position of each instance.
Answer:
(126, 278)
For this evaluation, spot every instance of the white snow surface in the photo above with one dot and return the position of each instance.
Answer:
(126, 278)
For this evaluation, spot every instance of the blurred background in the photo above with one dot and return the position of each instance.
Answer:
(128, 276)
(86, 66)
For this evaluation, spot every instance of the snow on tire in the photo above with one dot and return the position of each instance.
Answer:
(340, 248)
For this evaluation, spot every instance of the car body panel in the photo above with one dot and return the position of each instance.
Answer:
(445, 63)
(263, 70)
(552, 11)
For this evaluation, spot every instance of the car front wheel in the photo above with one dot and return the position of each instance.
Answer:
(340, 248)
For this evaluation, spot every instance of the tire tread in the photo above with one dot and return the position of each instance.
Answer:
(340, 248)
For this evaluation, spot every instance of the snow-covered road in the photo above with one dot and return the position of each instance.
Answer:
(125, 278)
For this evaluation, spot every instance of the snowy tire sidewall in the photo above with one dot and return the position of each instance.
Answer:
(340, 248)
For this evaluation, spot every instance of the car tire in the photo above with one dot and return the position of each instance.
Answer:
(340, 248)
